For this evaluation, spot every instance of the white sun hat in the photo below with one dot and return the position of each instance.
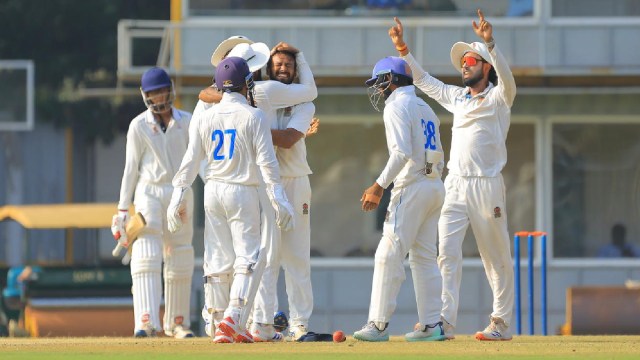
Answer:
(460, 48)
(226, 45)
(256, 54)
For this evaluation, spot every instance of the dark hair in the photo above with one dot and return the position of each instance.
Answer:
(493, 76)
(402, 80)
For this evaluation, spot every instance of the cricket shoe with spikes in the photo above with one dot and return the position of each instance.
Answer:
(496, 331)
(265, 333)
(230, 328)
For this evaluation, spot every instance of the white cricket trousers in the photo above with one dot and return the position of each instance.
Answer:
(232, 237)
(410, 227)
(293, 255)
(479, 201)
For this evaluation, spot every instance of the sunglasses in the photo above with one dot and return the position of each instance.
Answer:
(469, 60)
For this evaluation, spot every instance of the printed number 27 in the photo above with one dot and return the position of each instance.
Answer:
(218, 137)
(430, 134)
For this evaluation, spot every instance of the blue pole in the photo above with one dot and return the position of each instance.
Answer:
(516, 255)
(544, 284)
(530, 273)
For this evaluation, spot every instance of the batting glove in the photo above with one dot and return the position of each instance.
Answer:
(118, 225)
(177, 211)
(280, 203)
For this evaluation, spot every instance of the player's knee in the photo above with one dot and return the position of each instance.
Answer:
(388, 250)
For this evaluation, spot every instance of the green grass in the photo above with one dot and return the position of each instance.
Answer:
(464, 347)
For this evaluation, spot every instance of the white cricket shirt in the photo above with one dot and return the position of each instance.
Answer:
(293, 161)
(480, 123)
(234, 138)
(153, 156)
(411, 128)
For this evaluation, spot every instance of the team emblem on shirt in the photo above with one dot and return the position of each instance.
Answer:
(305, 209)
(496, 212)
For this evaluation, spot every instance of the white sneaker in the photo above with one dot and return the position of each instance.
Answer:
(147, 330)
(230, 328)
(296, 332)
(449, 330)
(265, 333)
(496, 331)
(370, 332)
(180, 332)
(427, 333)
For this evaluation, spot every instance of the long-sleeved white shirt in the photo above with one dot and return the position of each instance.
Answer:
(293, 161)
(235, 140)
(153, 156)
(412, 130)
(480, 123)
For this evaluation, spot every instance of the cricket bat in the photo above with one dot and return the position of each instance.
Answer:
(134, 227)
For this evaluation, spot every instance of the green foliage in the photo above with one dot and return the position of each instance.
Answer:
(73, 44)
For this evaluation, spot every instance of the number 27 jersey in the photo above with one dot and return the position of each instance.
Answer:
(236, 142)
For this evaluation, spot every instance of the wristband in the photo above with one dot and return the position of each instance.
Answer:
(402, 48)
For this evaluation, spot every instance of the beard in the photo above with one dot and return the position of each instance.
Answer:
(473, 80)
(284, 78)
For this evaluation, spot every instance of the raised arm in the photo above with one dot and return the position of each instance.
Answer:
(506, 82)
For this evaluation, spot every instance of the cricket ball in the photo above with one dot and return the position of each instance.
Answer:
(338, 336)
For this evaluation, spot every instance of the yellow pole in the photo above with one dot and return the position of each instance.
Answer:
(68, 151)
(176, 17)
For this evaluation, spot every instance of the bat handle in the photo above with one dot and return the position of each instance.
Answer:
(126, 259)
(117, 250)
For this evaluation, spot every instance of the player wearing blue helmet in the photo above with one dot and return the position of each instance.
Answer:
(414, 167)
(156, 142)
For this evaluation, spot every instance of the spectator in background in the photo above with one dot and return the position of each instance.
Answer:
(619, 247)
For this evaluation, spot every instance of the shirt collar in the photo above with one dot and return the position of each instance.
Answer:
(403, 90)
(233, 97)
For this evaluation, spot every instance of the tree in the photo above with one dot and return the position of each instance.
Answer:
(73, 44)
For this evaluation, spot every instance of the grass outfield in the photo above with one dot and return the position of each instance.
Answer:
(463, 347)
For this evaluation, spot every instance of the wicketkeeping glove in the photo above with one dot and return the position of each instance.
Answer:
(177, 210)
(280, 203)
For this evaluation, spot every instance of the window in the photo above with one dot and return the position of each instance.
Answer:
(595, 184)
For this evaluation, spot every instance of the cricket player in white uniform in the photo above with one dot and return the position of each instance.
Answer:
(475, 188)
(156, 142)
(236, 141)
(269, 95)
(415, 165)
(288, 133)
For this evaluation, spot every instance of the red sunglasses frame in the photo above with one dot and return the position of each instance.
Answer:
(470, 62)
